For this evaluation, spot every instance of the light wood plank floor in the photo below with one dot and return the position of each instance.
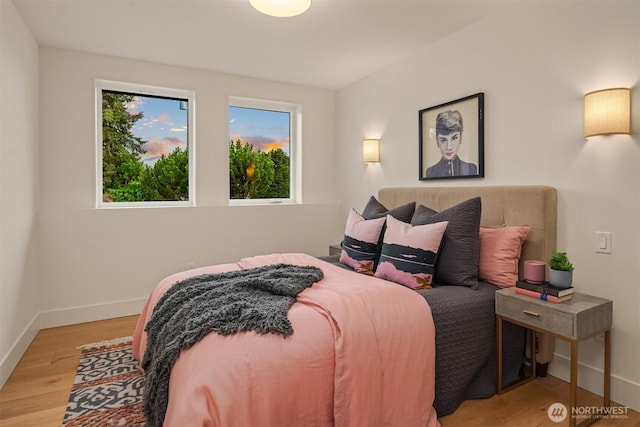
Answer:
(37, 391)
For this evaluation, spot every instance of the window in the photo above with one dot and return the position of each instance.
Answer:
(145, 145)
(264, 138)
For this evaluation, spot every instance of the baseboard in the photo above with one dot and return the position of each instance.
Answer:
(63, 317)
(623, 391)
(90, 313)
(10, 361)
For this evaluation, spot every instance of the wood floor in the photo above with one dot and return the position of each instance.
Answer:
(37, 391)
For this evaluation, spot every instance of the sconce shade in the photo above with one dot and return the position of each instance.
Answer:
(281, 8)
(607, 112)
(371, 150)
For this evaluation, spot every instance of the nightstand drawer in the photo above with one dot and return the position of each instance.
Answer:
(536, 315)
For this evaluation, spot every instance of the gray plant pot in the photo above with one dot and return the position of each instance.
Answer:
(560, 279)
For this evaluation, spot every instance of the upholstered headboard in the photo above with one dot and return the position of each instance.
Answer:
(509, 205)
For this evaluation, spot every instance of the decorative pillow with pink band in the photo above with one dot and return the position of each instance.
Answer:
(360, 242)
(409, 253)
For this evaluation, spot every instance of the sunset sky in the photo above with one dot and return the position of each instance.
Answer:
(163, 126)
(265, 130)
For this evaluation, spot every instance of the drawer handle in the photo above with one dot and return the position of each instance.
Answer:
(531, 313)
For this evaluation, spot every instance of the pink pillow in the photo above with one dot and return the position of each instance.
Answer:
(409, 252)
(500, 250)
(359, 247)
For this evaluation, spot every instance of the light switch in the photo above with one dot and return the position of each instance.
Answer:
(603, 242)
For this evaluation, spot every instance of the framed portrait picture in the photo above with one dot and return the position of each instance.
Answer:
(452, 139)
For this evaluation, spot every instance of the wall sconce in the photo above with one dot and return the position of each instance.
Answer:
(607, 112)
(371, 150)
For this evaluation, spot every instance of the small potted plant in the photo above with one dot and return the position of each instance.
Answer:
(560, 270)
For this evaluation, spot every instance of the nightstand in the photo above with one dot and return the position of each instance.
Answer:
(583, 317)
(335, 249)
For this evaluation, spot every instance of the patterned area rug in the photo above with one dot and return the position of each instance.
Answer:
(108, 387)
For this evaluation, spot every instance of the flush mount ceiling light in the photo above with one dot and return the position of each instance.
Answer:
(281, 8)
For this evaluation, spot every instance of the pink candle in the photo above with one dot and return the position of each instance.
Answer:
(534, 271)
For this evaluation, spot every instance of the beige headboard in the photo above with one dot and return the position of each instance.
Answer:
(509, 205)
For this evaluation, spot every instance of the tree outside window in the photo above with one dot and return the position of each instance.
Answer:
(144, 148)
(260, 150)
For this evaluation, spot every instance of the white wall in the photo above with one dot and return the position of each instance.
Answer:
(18, 187)
(534, 62)
(98, 263)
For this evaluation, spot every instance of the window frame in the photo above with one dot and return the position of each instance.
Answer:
(295, 148)
(148, 90)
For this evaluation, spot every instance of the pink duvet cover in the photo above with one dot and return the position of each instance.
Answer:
(362, 354)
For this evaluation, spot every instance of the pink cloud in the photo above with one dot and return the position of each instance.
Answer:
(157, 148)
(262, 143)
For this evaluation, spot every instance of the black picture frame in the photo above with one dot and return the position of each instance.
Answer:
(439, 125)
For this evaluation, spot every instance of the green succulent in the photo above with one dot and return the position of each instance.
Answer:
(559, 261)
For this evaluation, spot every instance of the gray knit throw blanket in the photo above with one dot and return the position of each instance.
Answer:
(255, 299)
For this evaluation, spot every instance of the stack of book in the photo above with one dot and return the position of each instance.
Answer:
(544, 291)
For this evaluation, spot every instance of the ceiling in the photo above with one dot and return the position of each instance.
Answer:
(335, 43)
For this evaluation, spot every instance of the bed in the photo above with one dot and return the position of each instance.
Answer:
(365, 350)
(457, 309)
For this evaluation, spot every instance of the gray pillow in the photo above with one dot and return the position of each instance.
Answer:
(374, 209)
(458, 258)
